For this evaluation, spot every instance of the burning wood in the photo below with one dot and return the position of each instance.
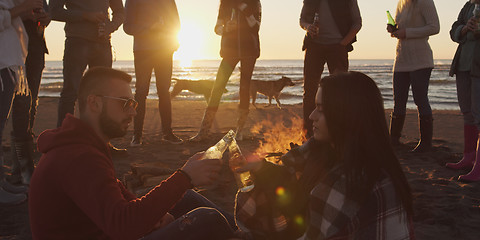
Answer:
(278, 137)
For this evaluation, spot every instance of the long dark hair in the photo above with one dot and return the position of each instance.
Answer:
(355, 117)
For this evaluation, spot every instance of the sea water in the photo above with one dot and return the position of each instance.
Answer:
(442, 90)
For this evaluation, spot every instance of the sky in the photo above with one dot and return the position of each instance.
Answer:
(280, 33)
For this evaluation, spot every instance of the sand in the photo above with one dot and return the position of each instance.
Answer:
(444, 207)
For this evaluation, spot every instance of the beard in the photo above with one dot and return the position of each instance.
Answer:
(110, 127)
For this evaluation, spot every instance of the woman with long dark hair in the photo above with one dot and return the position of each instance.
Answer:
(352, 183)
(416, 21)
(238, 23)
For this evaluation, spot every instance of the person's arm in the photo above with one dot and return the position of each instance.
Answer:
(24, 7)
(432, 24)
(118, 16)
(252, 13)
(119, 215)
(306, 19)
(356, 26)
(459, 28)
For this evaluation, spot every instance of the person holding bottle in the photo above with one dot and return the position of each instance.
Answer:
(331, 27)
(238, 23)
(343, 183)
(416, 20)
(466, 68)
(154, 26)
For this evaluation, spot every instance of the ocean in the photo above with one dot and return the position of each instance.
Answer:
(442, 90)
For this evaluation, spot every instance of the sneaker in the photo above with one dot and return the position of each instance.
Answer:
(136, 141)
(172, 138)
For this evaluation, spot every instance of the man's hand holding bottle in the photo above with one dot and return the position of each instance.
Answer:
(202, 172)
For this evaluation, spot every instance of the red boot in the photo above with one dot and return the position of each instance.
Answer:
(470, 136)
(474, 175)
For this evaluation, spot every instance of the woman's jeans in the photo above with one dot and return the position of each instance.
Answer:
(468, 93)
(419, 81)
(161, 62)
(224, 72)
(196, 218)
(6, 98)
(79, 53)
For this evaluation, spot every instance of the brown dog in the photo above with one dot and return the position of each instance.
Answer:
(196, 86)
(271, 89)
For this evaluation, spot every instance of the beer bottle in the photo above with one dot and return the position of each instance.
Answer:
(237, 160)
(391, 21)
(216, 151)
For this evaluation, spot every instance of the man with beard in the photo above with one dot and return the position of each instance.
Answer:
(74, 192)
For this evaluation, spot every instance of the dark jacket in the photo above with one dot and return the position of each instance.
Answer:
(455, 36)
(154, 24)
(74, 193)
(341, 12)
(244, 42)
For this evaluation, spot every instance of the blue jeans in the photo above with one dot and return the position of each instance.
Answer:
(161, 62)
(78, 54)
(419, 80)
(196, 218)
(6, 97)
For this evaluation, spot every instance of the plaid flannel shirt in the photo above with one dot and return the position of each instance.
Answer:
(334, 216)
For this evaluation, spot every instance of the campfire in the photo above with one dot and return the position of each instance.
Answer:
(278, 136)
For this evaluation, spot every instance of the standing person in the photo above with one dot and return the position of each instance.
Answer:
(416, 21)
(87, 29)
(74, 191)
(154, 25)
(24, 107)
(466, 68)
(13, 52)
(331, 27)
(347, 181)
(238, 23)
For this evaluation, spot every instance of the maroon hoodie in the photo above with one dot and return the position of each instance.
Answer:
(74, 193)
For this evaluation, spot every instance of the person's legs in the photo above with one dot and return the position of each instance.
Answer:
(313, 66)
(474, 174)
(201, 223)
(75, 59)
(420, 80)
(224, 72)
(337, 58)
(143, 62)
(470, 131)
(247, 66)
(401, 85)
(192, 200)
(35, 64)
(100, 55)
(163, 74)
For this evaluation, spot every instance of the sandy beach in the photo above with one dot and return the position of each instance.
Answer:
(444, 207)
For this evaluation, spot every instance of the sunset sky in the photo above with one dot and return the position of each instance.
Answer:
(280, 33)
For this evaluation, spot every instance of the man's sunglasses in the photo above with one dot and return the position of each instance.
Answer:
(128, 102)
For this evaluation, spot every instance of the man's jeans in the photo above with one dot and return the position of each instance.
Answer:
(6, 97)
(196, 218)
(161, 62)
(316, 55)
(24, 108)
(419, 80)
(468, 93)
(77, 55)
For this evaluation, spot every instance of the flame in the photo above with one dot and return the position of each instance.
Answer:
(277, 136)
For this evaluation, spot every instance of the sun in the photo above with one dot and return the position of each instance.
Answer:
(192, 39)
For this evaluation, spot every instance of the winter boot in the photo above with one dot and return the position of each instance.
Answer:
(207, 121)
(426, 134)
(15, 176)
(242, 119)
(396, 126)
(24, 152)
(7, 197)
(470, 138)
(474, 175)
